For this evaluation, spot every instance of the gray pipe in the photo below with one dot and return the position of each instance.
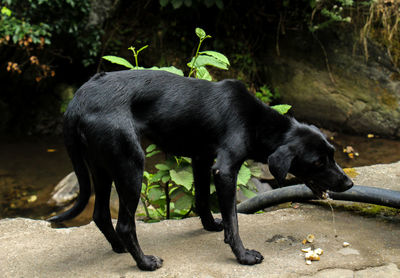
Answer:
(300, 192)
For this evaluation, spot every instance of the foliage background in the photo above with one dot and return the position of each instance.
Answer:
(49, 46)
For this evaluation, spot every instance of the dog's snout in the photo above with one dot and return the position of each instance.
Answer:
(348, 183)
(345, 184)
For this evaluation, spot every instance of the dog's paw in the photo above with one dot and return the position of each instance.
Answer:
(216, 226)
(150, 263)
(250, 257)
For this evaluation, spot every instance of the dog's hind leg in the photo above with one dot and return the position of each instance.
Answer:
(101, 214)
(202, 176)
(128, 175)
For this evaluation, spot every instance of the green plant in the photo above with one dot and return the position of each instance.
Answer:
(169, 191)
(123, 62)
(70, 29)
(197, 64)
(14, 29)
(29, 39)
(332, 11)
(265, 94)
(206, 58)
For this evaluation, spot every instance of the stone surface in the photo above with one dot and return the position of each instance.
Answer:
(381, 175)
(386, 271)
(332, 273)
(31, 248)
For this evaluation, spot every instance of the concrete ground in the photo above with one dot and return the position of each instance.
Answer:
(31, 248)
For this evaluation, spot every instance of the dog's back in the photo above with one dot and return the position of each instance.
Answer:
(179, 110)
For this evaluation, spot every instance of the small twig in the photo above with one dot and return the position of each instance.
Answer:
(326, 59)
(333, 218)
(277, 35)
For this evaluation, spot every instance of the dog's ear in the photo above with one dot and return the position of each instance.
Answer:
(279, 163)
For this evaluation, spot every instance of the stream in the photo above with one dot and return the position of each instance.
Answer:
(32, 166)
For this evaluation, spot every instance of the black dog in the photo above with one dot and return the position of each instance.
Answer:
(184, 116)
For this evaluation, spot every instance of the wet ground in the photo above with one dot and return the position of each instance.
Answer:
(31, 167)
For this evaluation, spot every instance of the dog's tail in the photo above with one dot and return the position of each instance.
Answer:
(74, 149)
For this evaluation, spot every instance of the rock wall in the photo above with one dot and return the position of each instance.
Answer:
(355, 95)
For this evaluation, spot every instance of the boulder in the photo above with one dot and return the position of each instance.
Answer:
(65, 191)
(353, 96)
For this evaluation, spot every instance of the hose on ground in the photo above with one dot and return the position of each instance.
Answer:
(301, 193)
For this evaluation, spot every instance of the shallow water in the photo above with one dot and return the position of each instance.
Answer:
(31, 167)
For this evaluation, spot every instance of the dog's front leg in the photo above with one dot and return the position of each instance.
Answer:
(225, 177)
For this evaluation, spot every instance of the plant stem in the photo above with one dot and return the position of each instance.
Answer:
(167, 199)
(195, 57)
(145, 208)
(136, 59)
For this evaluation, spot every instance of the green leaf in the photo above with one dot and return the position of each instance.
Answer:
(6, 11)
(202, 73)
(176, 3)
(212, 188)
(172, 69)
(159, 176)
(152, 153)
(282, 108)
(142, 48)
(205, 60)
(166, 178)
(151, 148)
(244, 175)
(162, 167)
(146, 175)
(182, 177)
(219, 56)
(187, 159)
(164, 3)
(185, 201)
(155, 194)
(119, 61)
(247, 192)
(200, 33)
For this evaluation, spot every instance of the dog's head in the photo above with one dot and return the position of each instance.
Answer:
(309, 156)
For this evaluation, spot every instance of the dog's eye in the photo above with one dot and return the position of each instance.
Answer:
(319, 163)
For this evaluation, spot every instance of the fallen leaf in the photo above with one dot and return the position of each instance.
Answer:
(351, 172)
(310, 238)
(32, 199)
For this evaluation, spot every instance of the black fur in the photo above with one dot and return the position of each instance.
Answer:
(203, 120)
